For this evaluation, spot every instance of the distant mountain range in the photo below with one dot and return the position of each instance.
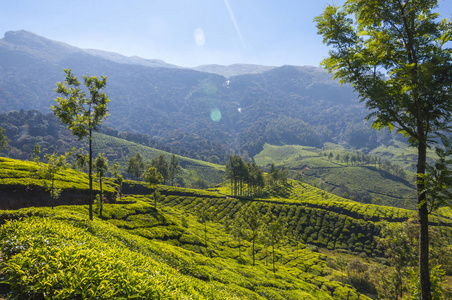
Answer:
(226, 109)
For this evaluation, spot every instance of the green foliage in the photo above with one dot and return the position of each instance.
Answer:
(190, 169)
(22, 175)
(161, 164)
(365, 181)
(397, 56)
(66, 256)
(55, 163)
(152, 176)
(135, 166)
(3, 139)
(82, 114)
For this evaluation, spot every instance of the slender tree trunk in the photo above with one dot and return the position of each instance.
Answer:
(90, 176)
(253, 251)
(101, 197)
(205, 233)
(273, 254)
(240, 246)
(423, 222)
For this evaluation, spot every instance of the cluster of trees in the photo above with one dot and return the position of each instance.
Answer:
(250, 224)
(356, 159)
(247, 179)
(168, 171)
(25, 129)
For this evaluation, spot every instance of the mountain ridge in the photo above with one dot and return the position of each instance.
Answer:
(176, 106)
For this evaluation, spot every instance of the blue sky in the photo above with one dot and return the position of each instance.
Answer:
(183, 32)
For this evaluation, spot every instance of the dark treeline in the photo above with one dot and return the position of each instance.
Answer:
(136, 167)
(247, 179)
(357, 159)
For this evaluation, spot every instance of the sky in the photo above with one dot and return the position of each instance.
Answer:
(186, 33)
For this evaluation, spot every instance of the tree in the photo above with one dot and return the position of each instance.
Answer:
(3, 139)
(82, 114)
(161, 164)
(394, 54)
(156, 196)
(81, 161)
(173, 168)
(237, 173)
(135, 166)
(238, 231)
(118, 177)
(152, 176)
(101, 167)
(273, 231)
(398, 243)
(253, 222)
(55, 163)
(36, 152)
(204, 216)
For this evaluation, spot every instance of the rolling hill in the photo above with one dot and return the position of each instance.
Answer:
(147, 250)
(364, 181)
(175, 105)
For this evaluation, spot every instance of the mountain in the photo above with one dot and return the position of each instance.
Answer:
(184, 108)
(131, 60)
(233, 70)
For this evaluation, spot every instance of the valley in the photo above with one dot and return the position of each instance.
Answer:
(278, 188)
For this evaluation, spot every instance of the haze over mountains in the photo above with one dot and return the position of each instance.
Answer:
(231, 109)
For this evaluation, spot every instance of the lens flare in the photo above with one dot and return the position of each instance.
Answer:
(210, 88)
(23, 132)
(199, 37)
(215, 115)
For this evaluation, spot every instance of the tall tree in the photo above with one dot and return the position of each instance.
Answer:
(82, 114)
(161, 164)
(153, 177)
(273, 231)
(238, 230)
(135, 166)
(3, 139)
(253, 222)
(101, 167)
(118, 179)
(395, 55)
(173, 168)
(36, 152)
(204, 215)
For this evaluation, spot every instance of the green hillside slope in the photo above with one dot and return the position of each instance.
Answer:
(120, 150)
(365, 182)
(150, 250)
(138, 251)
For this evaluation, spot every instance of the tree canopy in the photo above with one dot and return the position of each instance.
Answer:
(395, 54)
(82, 114)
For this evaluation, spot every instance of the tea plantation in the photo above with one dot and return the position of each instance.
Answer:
(145, 248)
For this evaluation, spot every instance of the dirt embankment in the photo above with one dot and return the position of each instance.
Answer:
(15, 198)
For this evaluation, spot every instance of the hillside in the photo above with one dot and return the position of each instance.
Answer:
(160, 251)
(364, 180)
(25, 129)
(175, 105)
(119, 150)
